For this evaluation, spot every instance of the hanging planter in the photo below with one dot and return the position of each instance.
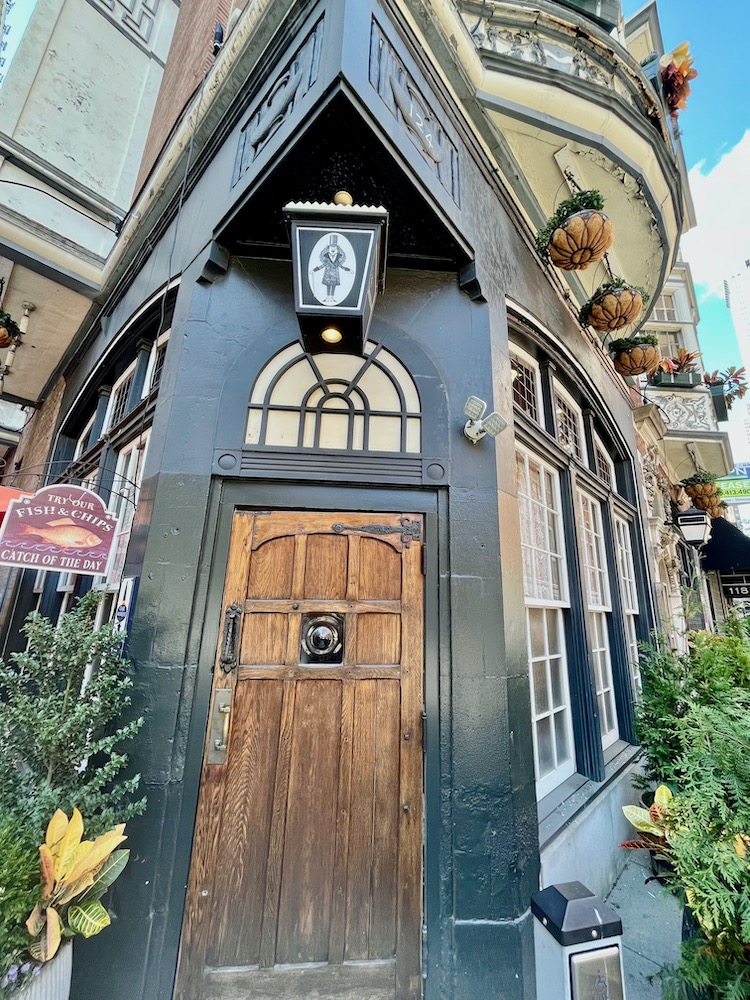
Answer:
(635, 355)
(614, 305)
(9, 330)
(578, 234)
(700, 486)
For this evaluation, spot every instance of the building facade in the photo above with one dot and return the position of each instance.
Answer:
(371, 819)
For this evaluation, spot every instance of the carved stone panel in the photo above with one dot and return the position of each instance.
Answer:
(280, 99)
(688, 411)
(136, 16)
(413, 111)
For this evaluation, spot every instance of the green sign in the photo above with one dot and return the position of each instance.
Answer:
(733, 488)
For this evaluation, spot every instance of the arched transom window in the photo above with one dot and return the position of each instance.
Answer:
(335, 401)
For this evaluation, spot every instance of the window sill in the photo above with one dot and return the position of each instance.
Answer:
(560, 807)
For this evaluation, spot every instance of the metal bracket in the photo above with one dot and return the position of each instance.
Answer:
(409, 530)
(232, 619)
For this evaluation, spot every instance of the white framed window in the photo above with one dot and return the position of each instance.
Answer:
(155, 365)
(599, 608)
(123, 500)
(605, 467)
(665, 310)
(545, 587)
(568, 424)
(526, 387)
(118, 401)
(629, 591)
(670, 341)
(84, 442)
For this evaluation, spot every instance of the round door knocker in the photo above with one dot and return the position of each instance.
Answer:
(322, 639)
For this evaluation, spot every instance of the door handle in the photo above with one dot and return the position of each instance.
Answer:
(232, 619)
(218, 737)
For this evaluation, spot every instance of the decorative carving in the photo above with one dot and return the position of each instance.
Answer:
(138, 16)
(688, 411)
(417, 119)
(280, 100)
(232, 619)
(406, 101)
(408, 530)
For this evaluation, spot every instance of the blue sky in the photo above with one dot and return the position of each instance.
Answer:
(715, 129)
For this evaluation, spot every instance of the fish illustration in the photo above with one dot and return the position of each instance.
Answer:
(65, 533)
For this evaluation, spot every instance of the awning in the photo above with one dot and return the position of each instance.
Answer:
(7, 493)
(727, 550)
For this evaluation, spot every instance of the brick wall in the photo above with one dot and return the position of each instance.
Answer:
(190, 58)
(33, 453)
(36, 440)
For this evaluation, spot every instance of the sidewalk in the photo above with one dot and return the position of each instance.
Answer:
(651, 924)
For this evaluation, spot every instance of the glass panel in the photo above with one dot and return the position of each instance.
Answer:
(553, 633)
(561, 737)
(544, 744)
(541, 693)
(333, 430)
(252, 434)
(413, 435)
(282, 428)
(379, 389)
(358, 438)
(293, 384)
(558, 683)
(385, 434)
(536, 632)
(263, 381)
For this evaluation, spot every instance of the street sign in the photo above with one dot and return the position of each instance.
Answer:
(59, 528)
(734, 488)
(735, 586)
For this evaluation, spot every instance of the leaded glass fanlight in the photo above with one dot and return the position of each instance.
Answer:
(335, 402)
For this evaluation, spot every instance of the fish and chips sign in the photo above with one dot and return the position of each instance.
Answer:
(60, 528)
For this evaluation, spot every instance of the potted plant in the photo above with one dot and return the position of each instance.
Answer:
(9, 330)
(678, 372)
(725, 386)
(578, 234)
(61, 700)
(693, 722)
(652, 824)
(701, 484)
(676, 72)
(613, 305)
(635, 355)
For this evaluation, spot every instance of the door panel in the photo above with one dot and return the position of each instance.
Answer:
(307, 859)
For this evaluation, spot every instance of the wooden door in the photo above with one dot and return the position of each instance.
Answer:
(306, 874)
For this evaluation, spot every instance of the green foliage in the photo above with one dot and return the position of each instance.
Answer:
(701, 476)
(694, 721)
(714, 667)
(576, 203)
(19, 884)
(61, 741)
(628, 343)
(10, 324)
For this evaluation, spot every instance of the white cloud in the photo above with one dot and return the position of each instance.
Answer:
(720, 242)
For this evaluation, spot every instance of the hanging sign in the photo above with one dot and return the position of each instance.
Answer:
(734, 488)
(59, 528)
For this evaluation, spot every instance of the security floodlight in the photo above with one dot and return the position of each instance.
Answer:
(478, 425)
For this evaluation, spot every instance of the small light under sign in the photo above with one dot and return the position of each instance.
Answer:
(331, 335)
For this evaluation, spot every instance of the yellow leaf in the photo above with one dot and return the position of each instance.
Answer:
(92, 855)
(68, 845)
(55, 832)
(739, 846)
(35, 922)
(54, 932)
(47, 867)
